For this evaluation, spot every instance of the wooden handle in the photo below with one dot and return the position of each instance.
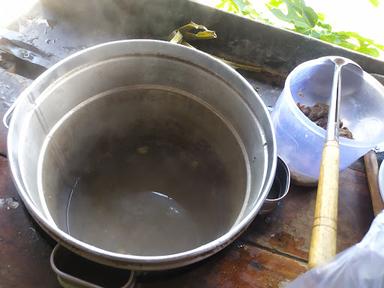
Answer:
(372, 170)
(324, 229)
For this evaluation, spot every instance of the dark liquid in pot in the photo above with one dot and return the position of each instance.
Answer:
(160, 174)
(156, 198)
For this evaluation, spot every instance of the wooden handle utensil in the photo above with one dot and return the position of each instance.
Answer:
(324, 229)
(372, 171)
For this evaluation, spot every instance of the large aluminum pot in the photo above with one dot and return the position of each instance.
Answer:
(142, 154)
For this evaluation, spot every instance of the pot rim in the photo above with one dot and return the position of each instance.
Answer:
(127, 260)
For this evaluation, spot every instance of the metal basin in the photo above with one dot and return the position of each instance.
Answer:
(142, 154)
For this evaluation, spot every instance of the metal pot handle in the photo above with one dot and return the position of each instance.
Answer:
(67, 280)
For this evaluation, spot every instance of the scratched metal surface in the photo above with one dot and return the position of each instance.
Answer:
(287, 230)
(24, 248)
(10, 87)
(275, 247)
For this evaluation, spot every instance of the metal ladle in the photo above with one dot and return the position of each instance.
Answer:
(324, 229)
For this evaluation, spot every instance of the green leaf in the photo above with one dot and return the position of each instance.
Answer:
(320, 16)
(241, 4)
(325, 26)
(294, 4)
(221, 5)
(310, 16)
(369, 50)
(375, 3)
(275, 3)
(280, 15)
(305, 20)
(301, 16)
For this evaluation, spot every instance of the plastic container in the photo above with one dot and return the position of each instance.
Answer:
(300, 141)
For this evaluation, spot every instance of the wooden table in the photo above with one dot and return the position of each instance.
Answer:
(272, 251)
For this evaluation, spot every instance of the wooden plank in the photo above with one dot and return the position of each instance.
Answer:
(11, 85)
(57, 32)
(240, 265)
(355, 209)
(287, 230)
(268, 91)
(24, 248)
